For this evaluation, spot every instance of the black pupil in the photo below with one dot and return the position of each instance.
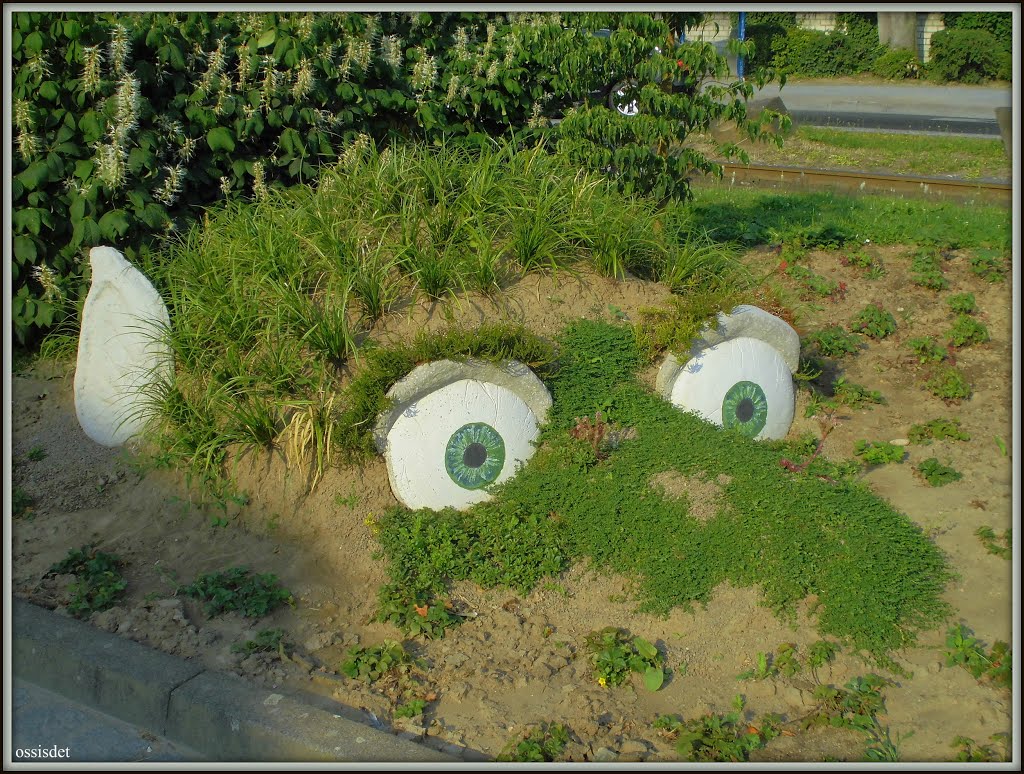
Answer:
(474, 456)
(745, 410)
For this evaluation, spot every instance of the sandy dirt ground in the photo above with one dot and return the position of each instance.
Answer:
(520, 661)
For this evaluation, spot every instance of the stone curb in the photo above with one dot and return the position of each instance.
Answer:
(218, 715)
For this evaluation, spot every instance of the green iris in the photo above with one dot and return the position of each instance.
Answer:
(475, 455)
(745, 407)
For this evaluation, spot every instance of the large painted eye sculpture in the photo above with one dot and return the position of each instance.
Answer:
(739, 374)
(455, 429)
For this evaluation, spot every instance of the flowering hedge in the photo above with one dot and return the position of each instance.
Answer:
(127, 125)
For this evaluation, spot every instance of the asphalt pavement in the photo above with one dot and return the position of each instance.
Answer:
(908, 107)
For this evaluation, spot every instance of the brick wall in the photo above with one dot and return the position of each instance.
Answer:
(708, 31)
(821, 21)
(927, 25)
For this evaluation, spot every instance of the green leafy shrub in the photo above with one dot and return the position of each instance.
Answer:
(878, 452)
(767, 37)
(949, 383)
(98, 583)
(937, 429)
(833, 342)
(965, 650)
(411, 709)
(265, 641)
(967, 56)
(962, 303)
(989, 264)
(937, 474)
(999, 23)
(966, 331)
(855, 395)
(1001, 546)
(874, 321)
(927, 349)
(813, 53)
(237, 589)
(21, 502)
(927, 269)
(863, 46)
(970, 751)
(370, 664)
(614, 654)
(896, 65)
(414, 613)
(543, 744)
(719, 737)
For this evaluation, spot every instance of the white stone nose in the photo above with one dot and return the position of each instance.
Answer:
(122, 349)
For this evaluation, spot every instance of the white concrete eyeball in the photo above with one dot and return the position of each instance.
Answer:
(455, 429)
(739, 374)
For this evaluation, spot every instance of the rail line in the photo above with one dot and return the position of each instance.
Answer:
(845, 181)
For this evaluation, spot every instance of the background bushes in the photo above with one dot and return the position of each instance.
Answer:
(896, 64)
(968, 56)
(126, 126)
(973, 48)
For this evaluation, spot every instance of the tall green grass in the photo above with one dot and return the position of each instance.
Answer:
(270, 301)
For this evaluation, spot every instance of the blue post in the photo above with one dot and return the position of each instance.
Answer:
(740, 34)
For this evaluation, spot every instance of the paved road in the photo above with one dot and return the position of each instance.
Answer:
(43, 720)
(898, 107)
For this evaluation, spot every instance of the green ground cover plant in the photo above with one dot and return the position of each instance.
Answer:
(265, 641)
(856, 706)
(878, 452)
(974, 752)
(927, 349)
(874, 321)
(937, 474)
(411, 709)
(966, 331)
(833, 342)
(545, 743)
(965, 650)
(948, 382)
(724, 737)
(926, 266)
(372, 663)
(791, 533)
(998, 545)
(937, 429)
(962, 303)
(98, 583)
(855, 395)
(21, 502)
(815, 283)
(237, 589)
(614, 654)
(990, 264)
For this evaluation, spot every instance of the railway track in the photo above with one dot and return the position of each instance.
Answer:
(847, 182)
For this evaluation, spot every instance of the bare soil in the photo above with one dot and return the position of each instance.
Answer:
(519, 661)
